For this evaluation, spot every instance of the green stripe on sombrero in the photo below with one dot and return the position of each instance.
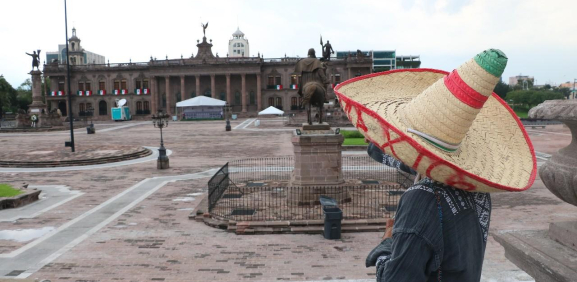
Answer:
(493, 61)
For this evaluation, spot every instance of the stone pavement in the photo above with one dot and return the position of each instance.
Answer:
(148, 237)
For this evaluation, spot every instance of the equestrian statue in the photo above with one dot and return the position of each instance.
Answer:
(314, 84)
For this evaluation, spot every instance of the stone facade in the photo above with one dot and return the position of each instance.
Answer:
(248, 84)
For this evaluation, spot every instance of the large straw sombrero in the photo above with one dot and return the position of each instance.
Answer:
(450, 127)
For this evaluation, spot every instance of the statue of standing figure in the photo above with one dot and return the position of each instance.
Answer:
(327, 50)
(204, 26)
(35, 61)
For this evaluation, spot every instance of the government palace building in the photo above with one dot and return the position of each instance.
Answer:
(248, 84)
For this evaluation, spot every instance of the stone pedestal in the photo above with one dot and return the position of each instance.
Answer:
(318, 163)
(550, 256)
(37, 105)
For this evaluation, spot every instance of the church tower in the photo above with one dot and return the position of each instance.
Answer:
(238, 45)
(76, 52)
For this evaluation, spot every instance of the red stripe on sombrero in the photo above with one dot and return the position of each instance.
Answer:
(422, 150)
(462, 91)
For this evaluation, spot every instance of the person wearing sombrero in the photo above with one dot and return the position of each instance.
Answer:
(464, 141)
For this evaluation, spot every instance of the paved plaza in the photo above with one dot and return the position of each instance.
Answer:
(129, 221)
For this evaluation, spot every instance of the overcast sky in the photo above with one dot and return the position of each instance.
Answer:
(538, 36)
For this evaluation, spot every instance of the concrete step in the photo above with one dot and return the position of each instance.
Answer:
(564, 233)
(541, 257)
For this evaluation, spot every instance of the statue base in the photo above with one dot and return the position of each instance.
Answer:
(316, 126)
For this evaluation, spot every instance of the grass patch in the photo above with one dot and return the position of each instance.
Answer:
(352, 134)
(355, 141)
(522, 113)
(8, 191)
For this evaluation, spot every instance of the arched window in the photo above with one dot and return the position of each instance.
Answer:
(139, 108)
(252, 98)
(237, 98)
(102, 108)
(223, 96)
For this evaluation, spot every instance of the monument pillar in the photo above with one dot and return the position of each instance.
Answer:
(258, 93)
(37, 104)
(168, 96)
(243, 77)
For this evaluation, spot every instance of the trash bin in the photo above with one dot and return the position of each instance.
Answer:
(333, 217)
(90, 129)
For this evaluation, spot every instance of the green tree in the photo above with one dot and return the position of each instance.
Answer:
(8, 97)
(565, 91)
(502, 89)
(530, 98)
(24, 94)
(547, 86)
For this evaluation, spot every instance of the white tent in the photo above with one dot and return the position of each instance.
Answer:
(201, 107)
(201, 101)
(271, 111)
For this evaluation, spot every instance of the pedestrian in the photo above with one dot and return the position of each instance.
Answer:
(463, 140)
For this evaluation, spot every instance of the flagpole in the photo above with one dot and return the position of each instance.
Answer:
(70, 114)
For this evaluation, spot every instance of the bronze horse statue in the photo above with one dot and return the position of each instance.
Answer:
(314, 96)
(314, 81)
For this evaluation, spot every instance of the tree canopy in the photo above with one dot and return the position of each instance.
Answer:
(532, 97)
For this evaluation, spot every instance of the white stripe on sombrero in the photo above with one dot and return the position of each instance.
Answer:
(435, 140)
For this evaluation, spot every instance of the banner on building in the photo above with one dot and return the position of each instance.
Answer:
(102, 92)
(279, 87)
(294, 86)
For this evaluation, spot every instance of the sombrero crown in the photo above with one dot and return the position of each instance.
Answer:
(447, 126)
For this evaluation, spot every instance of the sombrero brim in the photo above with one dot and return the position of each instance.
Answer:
(496, 155)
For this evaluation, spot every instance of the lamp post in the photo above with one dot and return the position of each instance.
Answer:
(574, 80)
(160, 121)
(226, 111)
(70, 114)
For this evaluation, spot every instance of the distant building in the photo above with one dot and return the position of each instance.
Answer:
(514, 80)
(570, 85)
(78, 56)
(238, 45)
(385, 60)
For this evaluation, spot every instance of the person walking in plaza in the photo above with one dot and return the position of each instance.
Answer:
(463, 140)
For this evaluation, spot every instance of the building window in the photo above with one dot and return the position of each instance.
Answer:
(294, 103)
(146, 107)
(101, 85)
(278, 103)
(237, 98)
(60, 86)
(252, 98)
(193, 94)
(87, 86)
(81, 109)
(223, 96)
(81, 86)
(117, 85)
(277, 80)
(207, 93)
(139, 108)
(337, 78)
(89, 107)
(294, 79)
(271, 80)
(271, 101)
(123, 84)
(138, 84)
(145, 84)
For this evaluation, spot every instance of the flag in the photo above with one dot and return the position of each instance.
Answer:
(102, 92)
(137, 91)
(53, 93)
(294, 86)
(88, 93)
(80, 92)
(116, 91)
(123, 91)
(279, 87)
(145, 90)
(60, 93)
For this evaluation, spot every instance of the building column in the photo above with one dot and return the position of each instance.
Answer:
(258, 93)
(168, 96)
(228, 93)
(153, 96)
(243, 76)
(349, 73)
(197, 85)
(212, 86)
(182, 90)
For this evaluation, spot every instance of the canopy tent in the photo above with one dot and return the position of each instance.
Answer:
(200, 101)
(271, 111)
(201, 107)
